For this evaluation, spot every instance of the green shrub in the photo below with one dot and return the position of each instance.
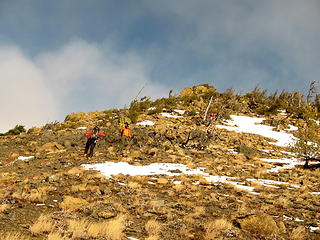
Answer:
(15, 131)
(192, 113)
(307, 146)
(165, 103)
(51, 125)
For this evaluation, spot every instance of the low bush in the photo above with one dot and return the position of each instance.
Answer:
(15, 131)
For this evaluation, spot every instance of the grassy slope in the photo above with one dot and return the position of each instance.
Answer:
(139, 209)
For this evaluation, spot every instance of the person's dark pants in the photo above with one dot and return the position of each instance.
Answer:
(91, 143)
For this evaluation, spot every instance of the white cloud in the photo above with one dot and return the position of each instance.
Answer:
(25, 99)
(79, 76)
(96, 76)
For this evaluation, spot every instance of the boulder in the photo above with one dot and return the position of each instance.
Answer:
(51, 147)
(197, 90)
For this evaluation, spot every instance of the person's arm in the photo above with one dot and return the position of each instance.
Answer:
(89, 134)
(101, 134)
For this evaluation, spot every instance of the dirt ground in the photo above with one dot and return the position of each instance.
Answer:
(54, 184)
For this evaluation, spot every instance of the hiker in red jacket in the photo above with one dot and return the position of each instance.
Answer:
(92, 136)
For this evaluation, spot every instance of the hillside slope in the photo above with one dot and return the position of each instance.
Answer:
(182, 177)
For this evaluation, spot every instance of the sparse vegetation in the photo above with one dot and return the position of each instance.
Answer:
(307, 146)
(74, 203)
(15, 131)
(44, 224)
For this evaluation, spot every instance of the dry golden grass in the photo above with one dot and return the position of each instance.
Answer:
(153, 227)
(118, 206)
(78, 188)
(33, 196)
(46, 189)
(4, 207)
(299, 233)
(152, 238)
(179, 187)
(188, 220)
(96, 175)
(112, 230)
(56, 236)
(261, 224)
(199, 211)
(36, 196)
(283, 202)
(71, 204)
(77, 227)
(13, 236)
(216, 228)
(134, 185)
(44, 224)
(84, 229)
(76, 171)
(242, 209)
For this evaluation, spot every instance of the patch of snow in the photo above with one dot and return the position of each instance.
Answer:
(146, 123)
(298, 220)
(289, 153)
(114, 168)
(131, 238)
(168, 115)
(316, 121)
(82, 128)
(289, 163)
(253, 125)
(271, 183)
(292, 128)
(240, 185)
(176, 182)
(232, 151)
(25, 158)
(283, 112)
(151, 182)
(40, 204)
(151, 108)
(286, 218)
(313, 229)
(55, 200)
(122, 184)
(315, 193)
(181, 112)
(267, 150)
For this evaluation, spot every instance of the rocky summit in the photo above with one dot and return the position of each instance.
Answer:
(201, 165)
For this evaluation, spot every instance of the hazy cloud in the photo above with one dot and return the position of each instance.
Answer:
(98, 54)
(25, 99)
(77, 77)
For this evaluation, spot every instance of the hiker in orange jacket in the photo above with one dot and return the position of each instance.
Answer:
(92, 136)
(126, 136)
(126, 131)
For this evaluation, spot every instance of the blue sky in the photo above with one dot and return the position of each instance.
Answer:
(58, 57)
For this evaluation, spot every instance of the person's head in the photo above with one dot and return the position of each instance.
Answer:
(126, 124)
(96, 129)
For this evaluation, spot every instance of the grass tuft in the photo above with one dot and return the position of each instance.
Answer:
(153, 227)
(78, 227)
(44, 224)
(56, 236)
(72, 204)
(216, 228)
(13, 236)
(299, 233)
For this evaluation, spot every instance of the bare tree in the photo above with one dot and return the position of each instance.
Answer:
(312, 91)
